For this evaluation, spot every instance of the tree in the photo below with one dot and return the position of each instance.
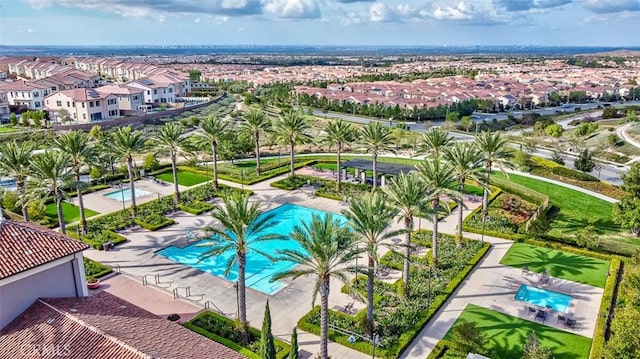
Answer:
(13, 119)
(49, 177)
(150, 162)
(267, 345)
(466, 122)
(25, 118)
(194, 75)
(434, 142)
(64, 115)
(466, 162)
(625, 341)
(411, 197)
(243, 225)
(125, 143)
(626, 213)
(213, 131)
(557, 157)
(520, 160)
(554, 130)
(370, 217)
(376, 139)
(585, 162)
(327, 249)
(452, 117)
(170, 139)
(294, 353)
(493, 148)
(587, 237)
(437, 176)
(15, 162)
(339, 132)
(96, 132)
(467, 338)
(533, 349)
(292, 127)
(255, 122)
(80, 147)
(632, 116)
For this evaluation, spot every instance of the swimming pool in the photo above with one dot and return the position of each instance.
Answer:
(260, 269)
(544, 298)
(125, 194)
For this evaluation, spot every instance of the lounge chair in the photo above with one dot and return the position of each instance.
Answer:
(532, 310)
(383, 271)
(570, 323)
(561, 318)
(525, 270)
(542, 315)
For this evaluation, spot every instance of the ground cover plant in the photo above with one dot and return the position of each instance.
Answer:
(185, 178)
(569, 266)
(506, 214)
(506, 335)
(70, 211)
(93, 269)
(4, 129)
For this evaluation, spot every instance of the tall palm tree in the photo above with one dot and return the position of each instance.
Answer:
(370, 217)
(493, 148)
(327, 249)
(242, 228)
(255, 121)
(339, 132)
(80, 147)
(376, 139)
(170, 139)
(14, 162)
(466, 162)
(213, 130)
(409, 194)
(434, 142)
(125, 143)
(292, 127)
(50, 173)
(437, 176)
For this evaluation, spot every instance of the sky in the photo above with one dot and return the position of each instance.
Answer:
(321, 22)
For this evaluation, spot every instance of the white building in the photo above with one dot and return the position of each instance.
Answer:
(82, 105)
(155, 92)
(129, 98)
(22, 93)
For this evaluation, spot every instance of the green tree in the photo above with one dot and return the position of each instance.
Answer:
(376, 139)
(410, 195)
(585, 162)
(554, 130)
(170, 139)
(294, 353)
(50, 175)
(434, 142)
(256, 122)
(80, 147)
(438, 176)
(339, 132)
(213, 131)
(466, 122)
(150, 162)
(194, 75)
(13, 119)
(533, 349)
(495, 153)
(467, 338)
(96, 132)
(626, 212)
(327, 250)
(625, 341)
(520, 160)
(632, 116)
(452, 117)
(292, 127)
(243, 226)
(587, 237)
(267, 345)
(15, 162)
(370, 217)
(125, 143)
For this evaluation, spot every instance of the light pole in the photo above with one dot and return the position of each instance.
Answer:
(122, 195)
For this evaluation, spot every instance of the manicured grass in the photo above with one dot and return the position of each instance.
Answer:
(577, 209)
(506, 335)
(71, 212)
(185, 178)
(559, 264)
(4, 129)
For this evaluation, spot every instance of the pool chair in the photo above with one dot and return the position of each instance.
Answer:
(525, 270)
(542, 315)
(532, 310)
(561, 318)
(570, 323)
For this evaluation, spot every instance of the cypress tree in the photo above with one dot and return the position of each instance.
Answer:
(293, 354)
(267, 346)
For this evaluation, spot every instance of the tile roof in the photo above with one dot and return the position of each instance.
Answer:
(26, 245)
(103, 326)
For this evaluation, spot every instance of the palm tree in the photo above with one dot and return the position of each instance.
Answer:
(213, 131)
(292, 127)
(80, 147)
(493, 148)
(339, 132)
(14, 162)
(369, 217)
(327, 249)
(434, 142)
(170, 139)
(125, 143)
(376, 139)
(466, 162)
(242, 228)
(255, 121)
(437, 176)
(409, 194)
(50, 173)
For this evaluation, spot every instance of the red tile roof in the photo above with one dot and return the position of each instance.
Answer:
(26, 245)
(103, 326)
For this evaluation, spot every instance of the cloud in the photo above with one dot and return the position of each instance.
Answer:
(380, 12)
(353, 1)
(610, 6)
(293, 9)
(465, 12)
(527, 5)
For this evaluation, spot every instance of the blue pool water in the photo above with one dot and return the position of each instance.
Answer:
(125, 194)
(543, 298)
(260, 269)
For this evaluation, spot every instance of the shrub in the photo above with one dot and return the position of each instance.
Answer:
(150, 162)
(95, 269)
(153, 222)
(466, 338)
(597, 348)
(196, 207)
(569, 173)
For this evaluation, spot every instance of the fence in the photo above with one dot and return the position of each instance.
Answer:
(541, 199)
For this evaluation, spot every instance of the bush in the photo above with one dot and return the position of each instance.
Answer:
(597, 348)
(150, 162)
(95, 269)
(576, 175)
(96, 239)
(196, 207)
(153, 222)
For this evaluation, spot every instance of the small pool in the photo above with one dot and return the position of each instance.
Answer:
(259, 269)
(125, 194)
(544, 298)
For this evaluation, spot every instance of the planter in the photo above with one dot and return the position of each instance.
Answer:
(93, 283)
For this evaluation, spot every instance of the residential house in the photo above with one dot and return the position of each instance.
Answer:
(82, 105)
(154, 91)
(23, 93)
(4, 105)
(129, 98)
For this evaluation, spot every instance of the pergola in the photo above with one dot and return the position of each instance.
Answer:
(384, 168)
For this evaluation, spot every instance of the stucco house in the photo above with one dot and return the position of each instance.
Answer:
(82, 105)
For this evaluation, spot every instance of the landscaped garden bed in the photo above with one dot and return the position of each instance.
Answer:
(229, 333)
(507, 213)
(185, 178)
(153, 222)
(93, 269)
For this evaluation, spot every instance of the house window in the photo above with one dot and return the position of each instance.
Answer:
(90, 103)
(111, 101)
(59, 103)
(97, 103)
(75, 115)
(155, 92)
(37, 104)
(68, 104)
(35, 94)
(170, 90)
(96, 116)
(82, 104)
(148, 92)
(84, 116)
(73, 104)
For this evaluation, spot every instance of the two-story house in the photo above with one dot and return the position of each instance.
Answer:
(23, 93)
(154, 91)
(129, 98)
(4, 105)
(82, 105)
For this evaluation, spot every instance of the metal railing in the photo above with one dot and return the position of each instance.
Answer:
(209, 305)
(187, 292)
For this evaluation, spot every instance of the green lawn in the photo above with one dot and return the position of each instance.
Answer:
(577, 209)
(559, 264)
(4, 129)
(506, 335)
(70, 211)
(185, 178)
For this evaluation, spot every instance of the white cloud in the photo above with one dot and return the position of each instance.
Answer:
(380, 12)
(293, 9)
(465, 12)
(610, 6)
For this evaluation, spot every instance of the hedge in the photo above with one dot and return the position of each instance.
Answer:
(440, 349)
(597, 346)
(264, 175)
(153, 222)
(96, 240)
(576, 175)
(95, 269)
(196, 207)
